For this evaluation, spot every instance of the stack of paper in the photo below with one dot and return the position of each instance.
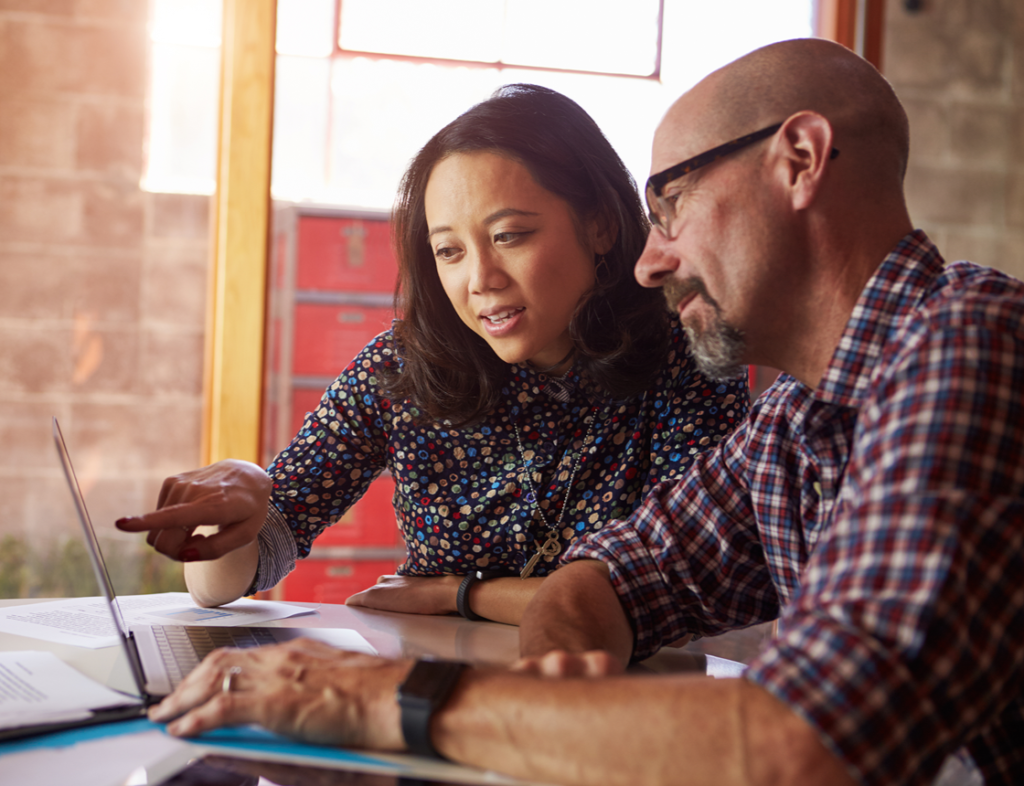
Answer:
(38, 687)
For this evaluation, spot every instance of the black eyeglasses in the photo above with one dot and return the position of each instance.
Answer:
(663, 209)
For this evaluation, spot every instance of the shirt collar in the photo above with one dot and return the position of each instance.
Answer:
(898, 285)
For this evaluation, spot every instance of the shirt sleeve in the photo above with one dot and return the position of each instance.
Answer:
(908, 628)
(277, 552)
(689, 560)
(340, 449)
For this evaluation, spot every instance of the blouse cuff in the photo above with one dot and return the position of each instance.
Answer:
(277, 551)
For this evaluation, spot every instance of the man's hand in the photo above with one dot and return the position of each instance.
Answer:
(303, 689)
(559, 663)
(230, 496)
(411, 594)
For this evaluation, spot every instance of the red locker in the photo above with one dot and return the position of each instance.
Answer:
(345, 254)
(331, 284)
(328, 337)
(333, 580)
(303, 400)
(370, 522)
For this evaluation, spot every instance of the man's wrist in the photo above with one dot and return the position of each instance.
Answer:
(425, 689)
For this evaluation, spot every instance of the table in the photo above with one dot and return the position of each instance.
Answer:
(392, 635)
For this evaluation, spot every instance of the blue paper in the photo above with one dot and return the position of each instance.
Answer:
(249, 738)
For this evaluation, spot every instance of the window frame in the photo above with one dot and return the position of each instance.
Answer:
(500, 65)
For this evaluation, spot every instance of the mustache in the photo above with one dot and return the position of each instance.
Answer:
(677, 291)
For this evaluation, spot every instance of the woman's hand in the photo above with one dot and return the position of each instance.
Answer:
(411, 594)
(303, 689)
(230, 496)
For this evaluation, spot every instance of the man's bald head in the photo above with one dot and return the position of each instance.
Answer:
(774, 82)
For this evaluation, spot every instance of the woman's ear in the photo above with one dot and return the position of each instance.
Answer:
(604, 231)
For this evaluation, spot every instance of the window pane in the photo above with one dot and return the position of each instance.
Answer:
(701, 37)
(601, 35)
(452, 29)
(182, 155)
(384, 111)
(190, 22)
(305, 27)
(301, 111)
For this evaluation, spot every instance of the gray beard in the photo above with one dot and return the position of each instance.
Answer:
(717, 351)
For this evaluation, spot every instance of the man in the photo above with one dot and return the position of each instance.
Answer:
(873, 502)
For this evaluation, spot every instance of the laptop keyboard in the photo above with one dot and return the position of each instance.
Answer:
(183, 646)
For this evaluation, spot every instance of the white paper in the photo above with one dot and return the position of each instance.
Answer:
(720, 668)
(38, 687)
(149, 757)
(342, 638)
(86, 622)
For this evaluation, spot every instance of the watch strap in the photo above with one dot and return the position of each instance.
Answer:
(471, 578)
(462, 597)
(425, 689)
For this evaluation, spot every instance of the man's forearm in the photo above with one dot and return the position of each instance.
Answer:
(631, 729)
(576, 609)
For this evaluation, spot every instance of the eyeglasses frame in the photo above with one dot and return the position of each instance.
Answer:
(656, 183)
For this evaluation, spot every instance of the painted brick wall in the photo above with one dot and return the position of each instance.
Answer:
(102, 286)
(958, 67)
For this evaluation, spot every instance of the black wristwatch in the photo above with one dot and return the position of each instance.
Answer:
(426, 688)
(462, 598)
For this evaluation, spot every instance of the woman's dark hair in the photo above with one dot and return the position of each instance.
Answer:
(619, 330)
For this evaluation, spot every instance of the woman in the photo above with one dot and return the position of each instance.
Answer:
(531, 390)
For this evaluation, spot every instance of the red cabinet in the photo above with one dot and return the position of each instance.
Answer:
(333, 580)
(327, 337)
(332, 280)
(345, 253)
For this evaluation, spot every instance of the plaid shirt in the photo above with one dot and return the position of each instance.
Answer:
(880, 517)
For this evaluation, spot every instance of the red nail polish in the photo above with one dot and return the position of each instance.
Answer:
(189, 555)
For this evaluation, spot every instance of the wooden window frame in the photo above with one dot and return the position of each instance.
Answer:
(497, 64)
(856, 24)
(236, 300)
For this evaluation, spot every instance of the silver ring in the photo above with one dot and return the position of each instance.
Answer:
(225, 686)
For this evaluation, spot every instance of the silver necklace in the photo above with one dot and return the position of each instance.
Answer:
(551, 546)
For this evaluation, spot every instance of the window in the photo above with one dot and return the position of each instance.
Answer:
(355, 100)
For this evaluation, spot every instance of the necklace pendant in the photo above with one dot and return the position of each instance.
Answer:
(550, 548)
(530, 564)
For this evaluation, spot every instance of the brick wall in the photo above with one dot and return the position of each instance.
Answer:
(102, 286)
(958, 67)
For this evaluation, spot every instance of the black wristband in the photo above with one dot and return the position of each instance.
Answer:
(462, 597)
(426, 688)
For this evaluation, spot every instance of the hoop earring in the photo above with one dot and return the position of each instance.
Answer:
(602, 273)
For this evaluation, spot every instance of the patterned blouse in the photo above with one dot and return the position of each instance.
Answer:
(462, 497)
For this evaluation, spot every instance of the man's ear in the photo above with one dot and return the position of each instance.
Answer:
(804, 148)
(604, 231)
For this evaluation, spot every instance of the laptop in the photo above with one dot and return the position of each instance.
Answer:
(159, 656)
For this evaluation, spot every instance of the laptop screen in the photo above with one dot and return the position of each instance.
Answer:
(95, 555)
